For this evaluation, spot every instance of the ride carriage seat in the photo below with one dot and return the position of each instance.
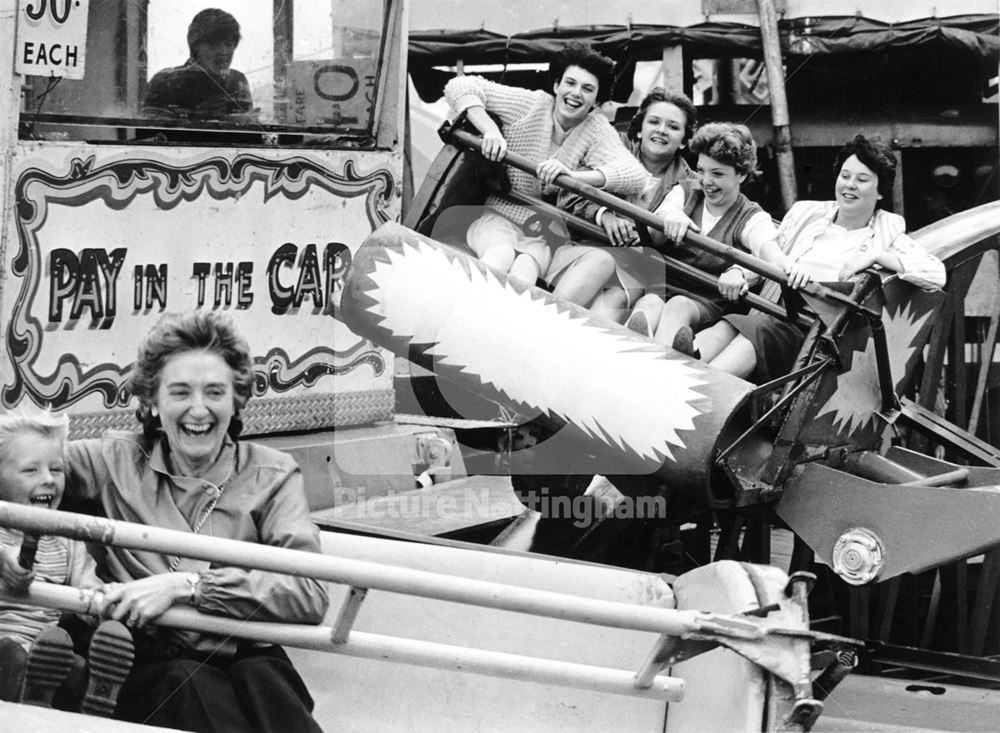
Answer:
(841, 396)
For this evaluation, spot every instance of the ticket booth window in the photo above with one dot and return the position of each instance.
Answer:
(157, 71)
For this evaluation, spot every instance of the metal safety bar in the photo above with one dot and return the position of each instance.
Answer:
(683, 633)
(365, 574)
(378, 646)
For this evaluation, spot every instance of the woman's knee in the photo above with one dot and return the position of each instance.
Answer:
(525, 267)
(649, 302)
(682, 308)
(599, 264)
(541, 255)
(612, 298)
(499, 257)
(738, 357)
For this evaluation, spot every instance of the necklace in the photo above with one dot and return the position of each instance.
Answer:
(175, 560)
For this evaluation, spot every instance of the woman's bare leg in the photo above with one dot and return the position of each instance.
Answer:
(583, 279)
(525, 268)
(737, 358)
(611, 303)
(499, 257)
(714, 339)
(678, 311)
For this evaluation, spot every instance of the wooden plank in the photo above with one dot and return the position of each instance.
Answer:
(18, 717)
(889, 609)
(933, 605)
(985, 362)
(672, 64)
(982, 610)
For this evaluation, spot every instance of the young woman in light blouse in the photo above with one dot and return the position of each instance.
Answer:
(825, 241)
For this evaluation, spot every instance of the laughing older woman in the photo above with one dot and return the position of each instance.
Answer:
(186, 471)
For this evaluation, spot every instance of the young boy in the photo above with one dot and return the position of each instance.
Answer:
(36, 655)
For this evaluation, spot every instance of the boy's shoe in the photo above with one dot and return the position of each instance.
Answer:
(12, 662)
(49, 660)
(109, 661)
(639, 323)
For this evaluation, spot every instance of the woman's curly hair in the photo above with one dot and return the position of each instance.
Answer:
(583, 55)
(876, 156)
(727, 143)
(659, 94)
(177, 333)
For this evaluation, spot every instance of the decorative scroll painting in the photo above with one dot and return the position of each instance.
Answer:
(99, 248)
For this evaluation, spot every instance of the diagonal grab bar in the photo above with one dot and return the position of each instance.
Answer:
(386, 648)
(646, 218)
(364, 574)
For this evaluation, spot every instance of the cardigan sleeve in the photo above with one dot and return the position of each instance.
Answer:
(508, 103)
(577, 205)
(623, 173)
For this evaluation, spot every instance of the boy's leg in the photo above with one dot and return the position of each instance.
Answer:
(12, 662)
(109, 661)
(49, 660)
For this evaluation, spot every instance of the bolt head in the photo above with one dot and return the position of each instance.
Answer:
(858, 556)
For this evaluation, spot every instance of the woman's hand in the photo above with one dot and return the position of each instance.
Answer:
(13, 576)
(733, 284)
(620, 231)
(549, 170)
(138, 602)
(797, 276)
(494, 144)
(856, 264)
(676, 224)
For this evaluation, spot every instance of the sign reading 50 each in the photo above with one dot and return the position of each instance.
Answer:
(51, 37)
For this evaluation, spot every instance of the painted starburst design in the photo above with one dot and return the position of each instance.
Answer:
(857, 397)
(630, 395)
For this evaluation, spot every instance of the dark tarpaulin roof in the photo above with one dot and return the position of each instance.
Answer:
(975, 36)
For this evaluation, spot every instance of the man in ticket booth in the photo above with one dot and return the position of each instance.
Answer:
(204, 87)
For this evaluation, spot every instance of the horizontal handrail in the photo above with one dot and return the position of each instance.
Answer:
(365, 574)
(693, 274)
(648, 219)
(385, 648)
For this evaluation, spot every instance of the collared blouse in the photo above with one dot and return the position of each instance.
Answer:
(803, 236)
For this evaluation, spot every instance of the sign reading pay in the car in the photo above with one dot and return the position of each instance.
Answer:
(52, 37)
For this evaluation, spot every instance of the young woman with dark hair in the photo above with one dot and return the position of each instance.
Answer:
(825, 241)
(564, 131)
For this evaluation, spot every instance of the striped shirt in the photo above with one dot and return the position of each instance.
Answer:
(58, 560)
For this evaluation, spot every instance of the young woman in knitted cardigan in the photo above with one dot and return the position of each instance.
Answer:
(566, 133)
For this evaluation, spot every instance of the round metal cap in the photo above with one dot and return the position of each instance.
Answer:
(858, 556)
